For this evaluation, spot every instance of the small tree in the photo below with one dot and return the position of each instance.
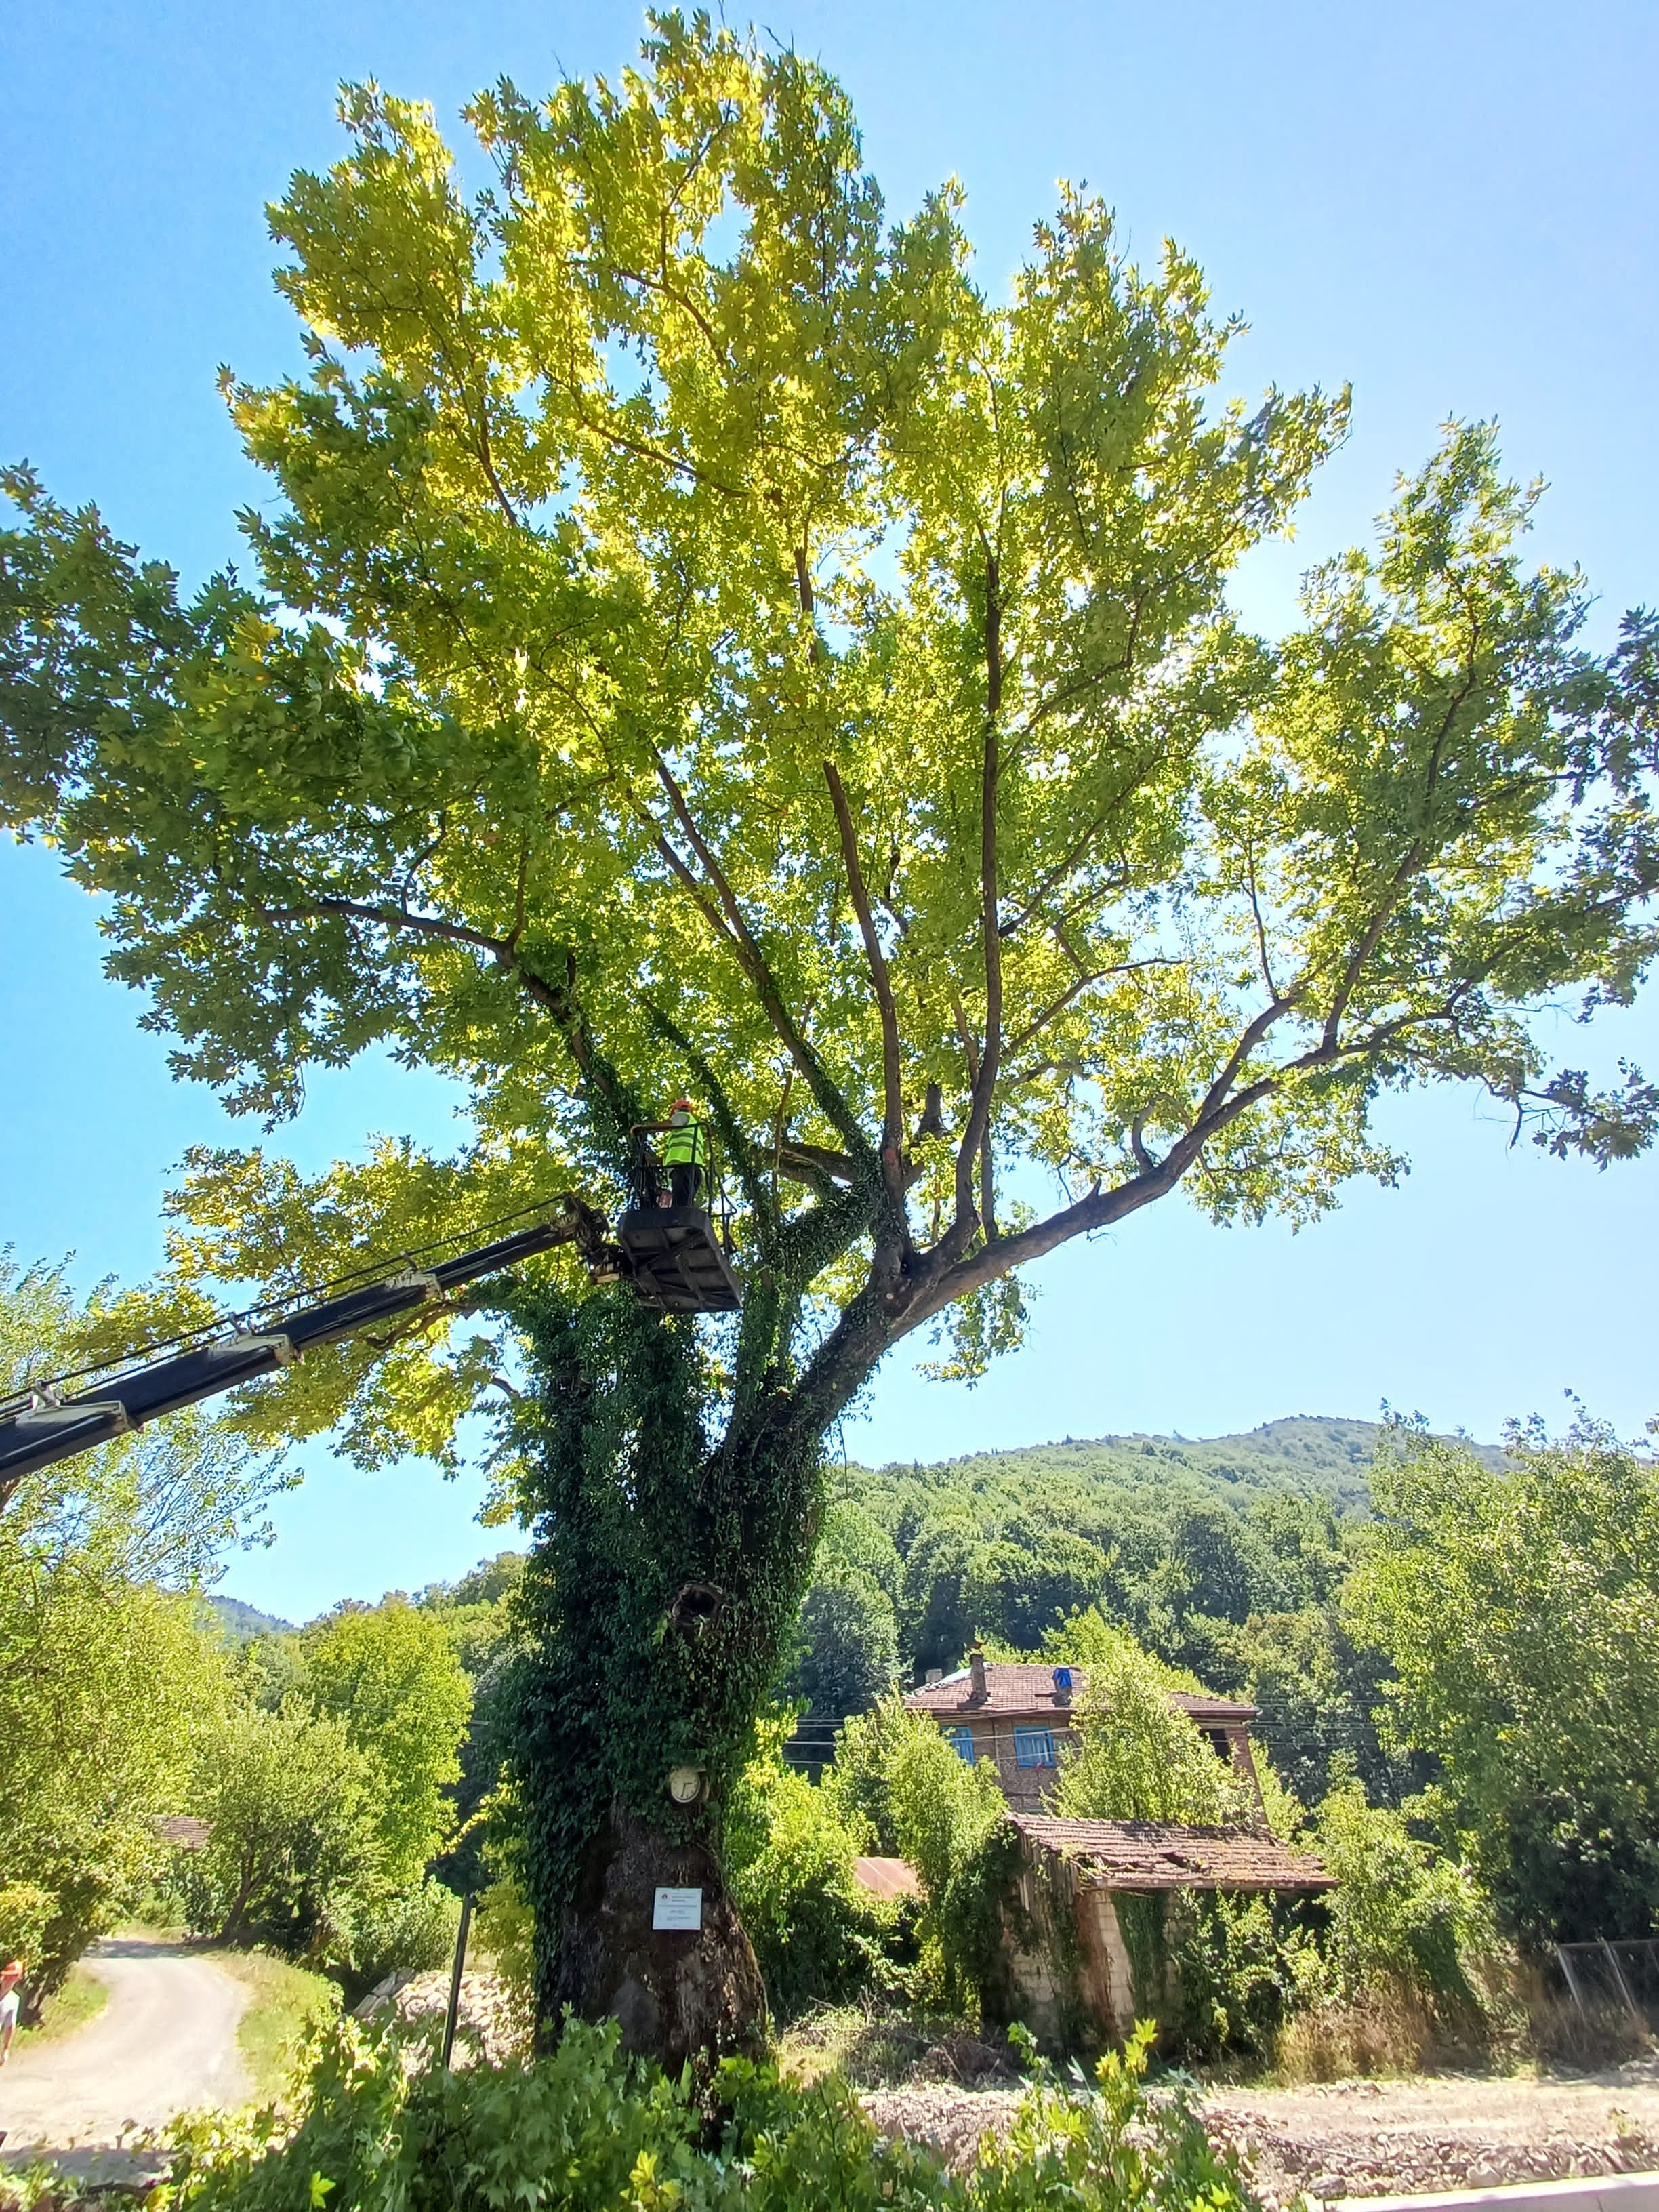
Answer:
(390, 1675)
(704, 642)
(289, 1810)
(1137, 1756)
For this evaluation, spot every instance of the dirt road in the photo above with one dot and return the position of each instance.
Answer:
(165, 2042)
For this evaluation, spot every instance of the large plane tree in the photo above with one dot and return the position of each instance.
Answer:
(703, 640)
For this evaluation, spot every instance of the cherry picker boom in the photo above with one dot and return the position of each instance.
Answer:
(41, 1425)
(669, 1252)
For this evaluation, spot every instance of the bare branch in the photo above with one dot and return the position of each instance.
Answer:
(1034, 1029)
(753, 961)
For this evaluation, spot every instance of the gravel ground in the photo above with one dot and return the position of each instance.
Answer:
(165, 2042)
(486, 2022)
(1368, 2138)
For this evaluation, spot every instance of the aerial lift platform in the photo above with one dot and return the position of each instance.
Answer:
(670, 1253)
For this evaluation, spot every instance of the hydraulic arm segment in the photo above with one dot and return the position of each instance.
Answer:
(39, 1426)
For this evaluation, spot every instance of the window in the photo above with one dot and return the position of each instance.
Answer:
(1034, 1747)
(960, 1740)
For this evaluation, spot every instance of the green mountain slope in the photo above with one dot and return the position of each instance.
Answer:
(239, 1620)
(1314, 1454)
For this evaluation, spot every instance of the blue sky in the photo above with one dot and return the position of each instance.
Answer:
(1453, 205)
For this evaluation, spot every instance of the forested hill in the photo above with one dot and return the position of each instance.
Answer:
(1226, 1556)
(1319, 1456)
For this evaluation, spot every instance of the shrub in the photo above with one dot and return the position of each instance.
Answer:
(1240, 1962)
(1403, 1917)
(412, 1933)
(586, 2130)
(789, 1853)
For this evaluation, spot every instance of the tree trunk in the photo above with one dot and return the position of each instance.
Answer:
(662, 1581)
(678, 1994)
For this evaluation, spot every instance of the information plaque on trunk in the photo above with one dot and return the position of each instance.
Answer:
(677, 1908)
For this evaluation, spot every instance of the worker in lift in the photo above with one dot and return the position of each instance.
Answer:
(685, 1156)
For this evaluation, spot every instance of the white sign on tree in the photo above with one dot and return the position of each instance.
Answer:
(677, 1908)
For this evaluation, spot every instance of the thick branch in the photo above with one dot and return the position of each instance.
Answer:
(753, 961)
(969, 1151)
(420, 925)
(892, 1130)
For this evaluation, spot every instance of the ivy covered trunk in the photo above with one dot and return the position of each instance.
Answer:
(665, 1576)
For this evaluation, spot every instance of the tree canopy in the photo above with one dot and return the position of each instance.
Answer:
(705, 639)
(1519, 1605)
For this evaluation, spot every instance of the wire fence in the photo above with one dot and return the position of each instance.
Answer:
(1603, 1976)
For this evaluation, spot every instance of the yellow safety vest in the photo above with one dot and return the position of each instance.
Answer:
(684, 1147)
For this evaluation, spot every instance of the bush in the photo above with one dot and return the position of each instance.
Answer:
(411, 1934)
(818, 1937)
(586, 2130)
(1402, 1918)
(1239, 1962)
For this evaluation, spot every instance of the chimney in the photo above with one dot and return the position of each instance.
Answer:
(1062, 1686)
(976, 1671)
(934, 1674)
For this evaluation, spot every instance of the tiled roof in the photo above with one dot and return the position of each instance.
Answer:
(1165, 1855)
(886, 1877)
(184, 1830)
(1025, 1690)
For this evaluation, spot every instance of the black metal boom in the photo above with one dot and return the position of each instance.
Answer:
(39, 1426)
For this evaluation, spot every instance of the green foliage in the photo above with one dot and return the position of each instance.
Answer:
(288, 1800)
(390, 1675)
(950, 1820)
(584, 2132)
(859, 1784)
(287, 2004)
(1519, 1605)
(504, 1930)
(412, 1931)
(323, 1784)
(1138, 1758)
(105, 1672)
(1241, 1963)
(1402, 1915)
(846, 1651)
(789, 1853)
(26, 1911)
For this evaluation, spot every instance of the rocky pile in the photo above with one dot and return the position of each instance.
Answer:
(1284, 2163)
(1412, 2161)
(948, 2120)
(489, 2024)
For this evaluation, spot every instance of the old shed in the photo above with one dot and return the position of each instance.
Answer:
(1086, 1928)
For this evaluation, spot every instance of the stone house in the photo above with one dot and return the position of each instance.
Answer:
(1021, 1717)
(1088, 1925)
